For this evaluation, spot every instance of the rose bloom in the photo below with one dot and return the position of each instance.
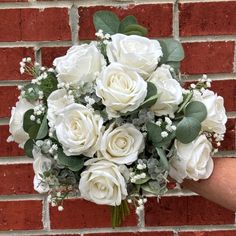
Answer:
(121, 89)
(40, 165)
(169, 92)
(192, 160)
(122, 144)
(16, 122)
(80, 64)
(102, 183)
(78, 130)
(138, 52)
(216, 116)
(57, 101)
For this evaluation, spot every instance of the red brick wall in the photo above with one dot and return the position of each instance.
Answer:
(44, 30)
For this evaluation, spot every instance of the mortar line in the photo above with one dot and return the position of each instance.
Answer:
(21, 197)
(234, 65)
(46, 214)
(74, 24)
(15, 160)
(175, 23)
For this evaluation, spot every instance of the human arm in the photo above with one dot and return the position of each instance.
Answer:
(220, 187)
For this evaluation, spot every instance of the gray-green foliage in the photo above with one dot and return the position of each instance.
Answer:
(173, 53)
(74, 163)
(110, 23)
(190, 126)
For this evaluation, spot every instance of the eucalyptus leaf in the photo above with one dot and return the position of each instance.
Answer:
(186, 100)
(136, 28)
(154, 133)
(74, 163)
(143, 180)
(148, 187)
(134, 33)
(27, 122)
(106, 21)
(196, 110)
(172, 50)
(31, 92)
(163, 159)
(43, 130)
(188, 129)
(151, 96)
(33, 131)
(166, 141)
(128, 20)
(28, 148)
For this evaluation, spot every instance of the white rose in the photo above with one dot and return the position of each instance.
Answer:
(121, 89)
(135, 51)
(122, 144)
(102, 183)
(40, 165)
(16, 122)
(56, 101)
(169, 92)
(192, 160)
(78, 130)
(216, 116)
(80, 64)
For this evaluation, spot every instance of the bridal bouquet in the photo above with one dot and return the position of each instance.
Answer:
(110, 120)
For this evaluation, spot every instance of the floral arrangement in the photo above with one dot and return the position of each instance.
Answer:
(111, 120)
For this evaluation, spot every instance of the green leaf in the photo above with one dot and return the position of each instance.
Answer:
(106, 21)
(134, 33)
(188, 129)
(163, 159)
(27, 122)
(151, 96)
(43, 130)
(196, 110)
(175, 65)
(128, 20)
(48, 85)
(136, 28)
(33, 131)
(148, 187)
(166, 141)
(142, 181)
(28, 147)
(154, 133)
(74, 163)
(172, 51)
(187, 99)
(31, 92)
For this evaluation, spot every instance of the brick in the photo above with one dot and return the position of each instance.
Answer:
(226, 89)
(156, 17)
(208, 57)
(35, 24)
(8, 94)
(78, 213)
(13, 1)
(176, 211)
(213, 233)
(21, 182)
(20, 215)
(50, 53)
(10, 59)
(229, 140)
(8, 149)
(49, 24)
(211, 18)
(163, 233)
(10, 17)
